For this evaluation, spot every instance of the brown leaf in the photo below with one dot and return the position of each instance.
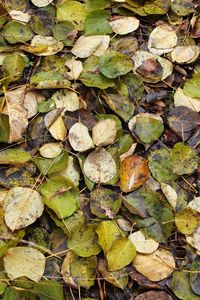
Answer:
(133, 173)
(152, 295)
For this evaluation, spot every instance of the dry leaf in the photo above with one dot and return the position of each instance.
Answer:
(86, 46)
(180, 99)
(162, 39)
(76, 68)
(104, 132)
(41, 3)
(66, 99)
(129, 152)
(170, 194)
(155, 266)
(195, 204)
(133, 173)
(143, 245)
(24, 261)
(72, 171)
(100, 166)
(185, 54)
(20, 16)
(79, 138)
(194, 239)
(55, 124)
(51, 150)
(124, 25)
(22, 207)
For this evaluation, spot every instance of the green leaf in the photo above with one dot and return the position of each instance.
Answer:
(91, 76)
(60, 195)
(4, 128)
(92, 5)
(195, 277)
(96, 23)
(48, 290)
(83, 271)
(184, 159)
(46, 106)
(121, 254)
(2, 287)
(191, 86)
(105, 203)
(61, 30)
(108, 232)
(148, 129)
(183, 7)
(14, 156)
(156, 7)
(72, 11)
(187, 220)
(181, 286)
(13, 66)
(16, 32)
(160, 167)
(84, 241)
(48, 166)
(113, 64)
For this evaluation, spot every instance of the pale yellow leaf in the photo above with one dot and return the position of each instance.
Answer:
(51, 150)
(124, 25)
(142, 244)
(104, 132)
(24, 261)
(170, 194)
(22, 206)
(66, 99)
(79, 138)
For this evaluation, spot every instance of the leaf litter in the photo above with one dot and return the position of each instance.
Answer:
(99, 149)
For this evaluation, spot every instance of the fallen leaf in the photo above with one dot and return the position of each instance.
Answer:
(124, 25)
(133, 173)
(162, 39)
(41, 3)
(79, 138)
(86, 46)
(125, 252)
(185, 54)
(72, 171)
(155, 266)
(22, 206)
(51, 150)
(191, 86)
(152, 295)
(100, 166)
(14, 156)
(170, 194)
(187, 220)
(76, 68)
(195, 204)
(180, 99)
(20, 16)
(104, 132)
(143, 244)
(55, 124)
(68, 100)
(24, 261)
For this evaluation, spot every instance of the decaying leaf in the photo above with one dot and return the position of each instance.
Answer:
(152, 295)
(124, 25)
(51, 150)
(156, 266)
(170, 194)
(76, 67)
(79, 138)
(104, 132)
(133, 173)
(24, 261)
(100, 166)
(187, 220)
(68, 100)
(180, 99)
(86, 46)
(185, 54)
(22, 207)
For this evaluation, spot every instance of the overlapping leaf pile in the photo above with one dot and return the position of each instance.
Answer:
(99, 153)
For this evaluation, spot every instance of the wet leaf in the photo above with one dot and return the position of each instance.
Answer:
(60, 195)
(24, 261)
(133, 173)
